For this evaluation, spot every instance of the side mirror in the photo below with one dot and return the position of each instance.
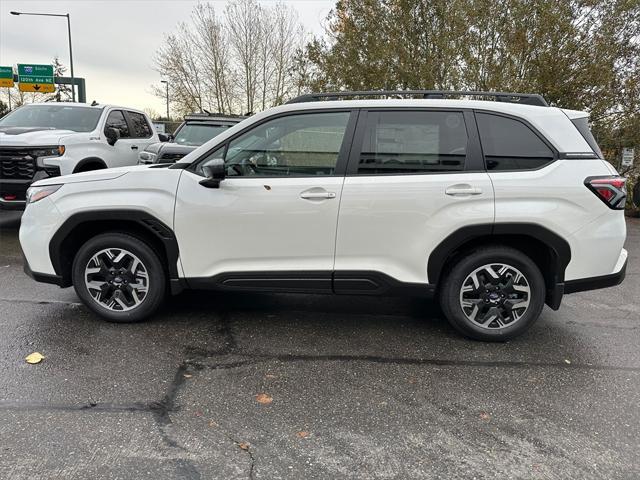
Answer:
(163, 137)
(112, 135)
(214, 172)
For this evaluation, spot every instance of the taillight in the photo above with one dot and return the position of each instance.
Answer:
(611, 190)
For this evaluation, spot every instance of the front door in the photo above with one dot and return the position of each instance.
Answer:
(125, 151)
(276, 211)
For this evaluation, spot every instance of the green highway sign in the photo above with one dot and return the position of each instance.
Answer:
(6, 77)
(35, 70)
(29, 79)
(35, 78)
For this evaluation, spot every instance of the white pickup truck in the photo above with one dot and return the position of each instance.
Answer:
(44, 140)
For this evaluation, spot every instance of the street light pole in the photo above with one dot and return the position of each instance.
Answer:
(73, 83)
(166, 85)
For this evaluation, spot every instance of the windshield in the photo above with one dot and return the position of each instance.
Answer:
(58, 116)
(195, 134)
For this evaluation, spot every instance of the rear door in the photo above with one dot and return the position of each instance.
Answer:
(414, 177)
(141, 132)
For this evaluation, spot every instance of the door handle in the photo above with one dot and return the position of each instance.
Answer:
(134, 147)
(462, 190)
(317, 195)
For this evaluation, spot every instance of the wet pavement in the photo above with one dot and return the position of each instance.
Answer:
(302, 386)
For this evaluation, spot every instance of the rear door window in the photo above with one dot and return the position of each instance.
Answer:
(139, 124)
(397, 142)
(509, 144)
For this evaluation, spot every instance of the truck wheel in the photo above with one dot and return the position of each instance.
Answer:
(119, 277)
(493, 294)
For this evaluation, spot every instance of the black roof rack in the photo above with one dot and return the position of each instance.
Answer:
(196, 115)
(523, 98)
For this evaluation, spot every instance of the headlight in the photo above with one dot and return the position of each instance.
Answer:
(147, 157)
(48, 151)
(38, 193)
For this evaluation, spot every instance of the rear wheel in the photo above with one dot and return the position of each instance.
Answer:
(119, 277)
(493, 294)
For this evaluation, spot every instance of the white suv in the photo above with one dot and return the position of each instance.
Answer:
(495, 207)
(43, 140)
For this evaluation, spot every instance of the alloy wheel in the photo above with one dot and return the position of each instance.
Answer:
(116, 279)
(495, 296)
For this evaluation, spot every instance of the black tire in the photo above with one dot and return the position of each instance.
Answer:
(150, 262)
(504, 327)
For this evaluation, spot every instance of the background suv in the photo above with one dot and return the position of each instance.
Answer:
(196, 129)
(495, 207)
(43, 140)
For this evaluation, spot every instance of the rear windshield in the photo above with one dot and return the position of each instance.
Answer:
(582, 124)
(61, 117)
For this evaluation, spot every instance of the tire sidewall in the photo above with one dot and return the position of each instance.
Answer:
(157, 282)
(450, 294)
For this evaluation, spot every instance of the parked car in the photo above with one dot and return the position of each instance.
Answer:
(196, 129)
(44, 140)
(494, 207)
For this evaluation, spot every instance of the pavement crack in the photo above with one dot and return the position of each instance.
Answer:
(161, 410)
(40, 302)
(253, 358)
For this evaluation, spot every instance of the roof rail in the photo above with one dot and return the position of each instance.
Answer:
(523, 98)
(212, 115)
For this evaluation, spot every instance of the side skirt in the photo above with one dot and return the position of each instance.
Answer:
(323, 282)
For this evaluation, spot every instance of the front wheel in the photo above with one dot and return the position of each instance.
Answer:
(493, 294)
(119, 277)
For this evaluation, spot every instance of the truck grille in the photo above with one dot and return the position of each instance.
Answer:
(172, 156)
(16, 164)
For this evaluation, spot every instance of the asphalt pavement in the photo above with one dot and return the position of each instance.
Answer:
(263, 386)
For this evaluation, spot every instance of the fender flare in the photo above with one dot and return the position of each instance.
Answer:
(148, 222)
(88, 160)
(558, 245)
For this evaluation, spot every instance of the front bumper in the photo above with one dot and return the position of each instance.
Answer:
(42, 277)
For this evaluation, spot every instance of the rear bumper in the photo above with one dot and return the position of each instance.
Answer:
(594, 283)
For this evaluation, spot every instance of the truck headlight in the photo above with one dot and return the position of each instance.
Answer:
(38, 193)
(147, 157)
(48, 151)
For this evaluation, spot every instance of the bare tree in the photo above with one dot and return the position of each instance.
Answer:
(214, 51)
(245, 35)
(239, 61)
(286, 42)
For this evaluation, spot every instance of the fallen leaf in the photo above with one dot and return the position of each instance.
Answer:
(35, 357)
(244, 445)
(485, 416)
(264, 398)
(269, 375)
(213, 424)
(302, 434)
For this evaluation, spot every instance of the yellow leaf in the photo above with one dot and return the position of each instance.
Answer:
(35, 357)
(264, 398)
(244, 445)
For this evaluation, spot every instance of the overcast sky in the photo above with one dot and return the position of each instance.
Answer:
(114, 41)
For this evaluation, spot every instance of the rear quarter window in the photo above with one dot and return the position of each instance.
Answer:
(582, 124)
(509, 144)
